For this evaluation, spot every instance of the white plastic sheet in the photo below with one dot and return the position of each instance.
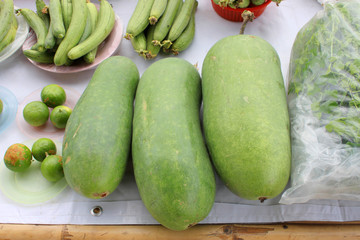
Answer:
(277, 25)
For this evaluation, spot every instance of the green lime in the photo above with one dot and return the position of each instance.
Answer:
(36, 113)
(42, 148)
(18, 157)
(1, 106)
(53, 95)
(60, 115)
(51, 168)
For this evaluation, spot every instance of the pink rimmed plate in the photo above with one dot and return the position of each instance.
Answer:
(48, 130)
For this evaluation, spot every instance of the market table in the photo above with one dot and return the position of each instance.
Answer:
(68, 216)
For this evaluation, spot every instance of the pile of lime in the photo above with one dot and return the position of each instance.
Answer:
(37, 113)
(18, 157)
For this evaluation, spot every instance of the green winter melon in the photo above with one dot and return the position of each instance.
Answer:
(245, 114)
(97, 139)
(172, 168)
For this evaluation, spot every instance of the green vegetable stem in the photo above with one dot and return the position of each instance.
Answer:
(247, 16)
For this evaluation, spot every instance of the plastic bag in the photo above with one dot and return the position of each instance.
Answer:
(324, 106)
(322, 2)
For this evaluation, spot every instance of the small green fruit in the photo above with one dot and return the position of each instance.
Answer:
(60, 115)
(36, 113)
(1, 106)
(53, 95)
(18, 157)
(42, 148)
(51, 168)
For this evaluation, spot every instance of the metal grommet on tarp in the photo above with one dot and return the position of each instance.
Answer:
(96, 211)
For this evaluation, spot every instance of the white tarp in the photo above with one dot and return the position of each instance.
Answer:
(277, 25)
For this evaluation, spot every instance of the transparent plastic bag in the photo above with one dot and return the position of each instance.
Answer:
(322, 2)
(324, 106)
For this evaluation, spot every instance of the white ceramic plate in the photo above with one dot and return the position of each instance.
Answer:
(30, 187)
(21, 35)
(48, 130)
(106, 49)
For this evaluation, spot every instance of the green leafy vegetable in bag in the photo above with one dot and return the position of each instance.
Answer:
(325, 68)
(324, 102)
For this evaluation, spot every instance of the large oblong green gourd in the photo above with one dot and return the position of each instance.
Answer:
(96, 145)
(246, 121)
(172, 168)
